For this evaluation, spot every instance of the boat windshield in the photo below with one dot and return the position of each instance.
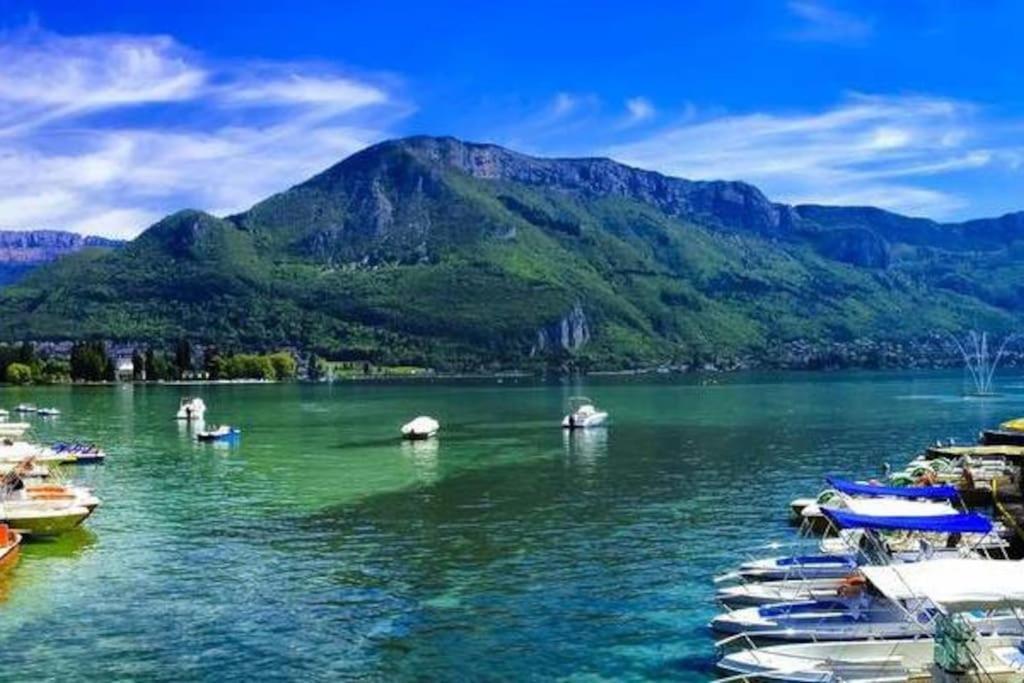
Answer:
(576, 403)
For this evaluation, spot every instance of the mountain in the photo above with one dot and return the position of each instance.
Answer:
(434, 251)
(23, 250)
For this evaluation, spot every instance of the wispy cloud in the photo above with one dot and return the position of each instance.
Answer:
(639, 109)
(106, 133)
(866, 150)
(820, 22)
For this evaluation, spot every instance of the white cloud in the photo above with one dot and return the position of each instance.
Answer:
(77, 153)
(639, 109)
(866, 150)
(822, 23)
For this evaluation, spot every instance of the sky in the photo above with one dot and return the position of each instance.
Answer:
(114, 114)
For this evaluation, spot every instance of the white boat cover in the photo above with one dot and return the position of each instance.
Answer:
(955, 585)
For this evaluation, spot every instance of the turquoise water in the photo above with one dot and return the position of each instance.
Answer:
(322, 548)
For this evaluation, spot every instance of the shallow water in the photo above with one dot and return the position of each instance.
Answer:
(322, 548)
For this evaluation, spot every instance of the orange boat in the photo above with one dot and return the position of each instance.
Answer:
(10, 542)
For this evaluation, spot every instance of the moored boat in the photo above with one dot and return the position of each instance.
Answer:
(223, 433)
(583, 414)
(10, 546)
(422, 427)
(191, 409)
(42, 518)
(956, 588)
(48, 412)
(25, 408)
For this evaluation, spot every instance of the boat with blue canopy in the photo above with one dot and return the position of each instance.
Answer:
(865, 537)
(852, 488)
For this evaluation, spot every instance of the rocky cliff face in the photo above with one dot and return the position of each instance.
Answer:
(716, 203)
(23, 250)
(569, 333)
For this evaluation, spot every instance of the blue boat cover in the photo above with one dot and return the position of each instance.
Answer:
(963, 523)
(945, 492)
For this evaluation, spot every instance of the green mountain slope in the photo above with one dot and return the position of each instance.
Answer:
(436, 252)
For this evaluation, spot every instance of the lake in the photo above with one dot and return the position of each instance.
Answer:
(323, 548)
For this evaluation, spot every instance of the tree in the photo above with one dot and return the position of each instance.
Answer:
(138, 366)
(89, 362)
(183, 357)
(284, 365)
(26, 353)
(211, 362)
(18, 373)
(313, 370)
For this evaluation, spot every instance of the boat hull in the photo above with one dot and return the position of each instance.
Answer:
(45, 523)
(866, 661)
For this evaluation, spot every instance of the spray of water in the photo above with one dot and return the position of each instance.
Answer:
(980, 363)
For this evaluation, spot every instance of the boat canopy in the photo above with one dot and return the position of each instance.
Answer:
(955, 585)
(929, 492)
(955, 523)
(1016, 425)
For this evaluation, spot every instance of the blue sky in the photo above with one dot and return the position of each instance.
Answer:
(114, 114)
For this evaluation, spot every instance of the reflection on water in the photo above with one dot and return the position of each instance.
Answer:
(422, 453)
(66, 546)
(585, 446)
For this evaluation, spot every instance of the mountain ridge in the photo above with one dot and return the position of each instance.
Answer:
(435, 251)
(23, 250)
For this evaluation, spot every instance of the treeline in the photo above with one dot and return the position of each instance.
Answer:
(91, 361)
(20, 364)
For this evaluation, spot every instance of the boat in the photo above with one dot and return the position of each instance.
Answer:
(10, 545)
(191, 409)
(583, 415)
(223, 433)
(913, 501)
(41, 517)
(422, 427)
(13, 429)
(957, 652)
(772, 592)
(83, 454)
(17, 451)
(1009, 433)
(960, 533)
(48, 412)
(25, 408)
(4, 414)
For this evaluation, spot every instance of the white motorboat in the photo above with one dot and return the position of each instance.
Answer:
(17, 451)
(855, 611)
(48, 412)
(25, 408)
(191, 409)
(968, 533)
(772, 592)
(957, 651)
(583, 415)
(814, 519)
(422, 427)
(4, 414)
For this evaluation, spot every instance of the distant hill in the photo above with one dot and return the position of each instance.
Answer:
(434, 251)
(23, 250)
